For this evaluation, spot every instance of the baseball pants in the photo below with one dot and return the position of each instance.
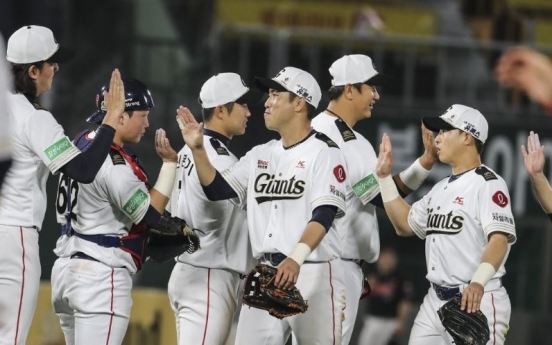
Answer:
(19, 282)
(204, 302)
(92, 301)
(354, 280)
(322, 284)
(428, 330)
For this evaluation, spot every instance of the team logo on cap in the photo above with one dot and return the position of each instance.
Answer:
(303, 92)
(470, 128)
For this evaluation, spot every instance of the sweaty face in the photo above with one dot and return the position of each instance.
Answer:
(278, 109)
(449, 143)
(237, 119)
(134, 127)
(365, 100)
(45, 76)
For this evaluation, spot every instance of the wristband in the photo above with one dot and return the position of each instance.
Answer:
(165, 181)
(414, 175)
(484, 273)
(300, 253)
(388, 189)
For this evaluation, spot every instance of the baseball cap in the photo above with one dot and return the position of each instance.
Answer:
(33, 43)
(294, 80)
(224, 88)
(354, 69)
(460, 117)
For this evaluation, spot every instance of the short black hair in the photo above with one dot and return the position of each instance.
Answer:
(311, 110)
(336, 91)
(22, 82)
(479, 145)
(209, 112)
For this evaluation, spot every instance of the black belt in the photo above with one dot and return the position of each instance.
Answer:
(445, 293)
(81, 255)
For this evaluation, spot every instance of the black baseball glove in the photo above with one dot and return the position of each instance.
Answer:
(260, 292)
(465, 329)
(169, 238)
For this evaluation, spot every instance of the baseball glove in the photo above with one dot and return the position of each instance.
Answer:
(260, 292)
(465, 329)
(169, 238)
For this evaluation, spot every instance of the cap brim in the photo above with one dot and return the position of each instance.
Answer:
(436, 124)
(380, 80)
(97, 117)
(62, 55)
(265, 84)
(250, 97)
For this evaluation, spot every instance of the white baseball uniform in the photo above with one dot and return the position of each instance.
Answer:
(5, 140)
(456, 218)
(281, 187)
(203, 288)
(360, 235)
(39, 146)
(91, 284)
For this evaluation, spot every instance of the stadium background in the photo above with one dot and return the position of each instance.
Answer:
(439, 52)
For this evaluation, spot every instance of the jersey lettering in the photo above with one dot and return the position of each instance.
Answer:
(274, 189)
(61, 204)
(186, 163)
(444, 223)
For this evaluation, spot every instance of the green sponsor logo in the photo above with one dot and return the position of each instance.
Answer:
(365, 184)
(135, 201)
(58, 148)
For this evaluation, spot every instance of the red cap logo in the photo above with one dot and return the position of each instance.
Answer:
(500, 199)
(339, 173)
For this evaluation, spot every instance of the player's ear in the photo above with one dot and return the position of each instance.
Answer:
(348, 91)
(219, 111)
(33, 72)
(299, 103)
(125, 118)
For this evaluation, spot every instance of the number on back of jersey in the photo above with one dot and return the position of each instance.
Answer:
(67, 191)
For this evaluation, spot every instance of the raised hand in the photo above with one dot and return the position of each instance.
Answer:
(164, 148)
(430, 149)
(527, 70)
(114, 100)
(385, 157)
(191, 130)
(533, 155)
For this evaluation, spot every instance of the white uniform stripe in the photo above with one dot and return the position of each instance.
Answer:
(63, 159)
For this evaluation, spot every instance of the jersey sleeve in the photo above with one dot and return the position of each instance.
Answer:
(46, 138)
(127, 192)
(329, 181)
(361, 165)
(237, 176)
(495, 212)
(417, 216)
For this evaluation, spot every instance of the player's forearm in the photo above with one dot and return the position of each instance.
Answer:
(543, 191)
(161, 192)
(412, 177)
(313, 234)
(496, 250)
(158, 201)
(205, 170)
(397, 210)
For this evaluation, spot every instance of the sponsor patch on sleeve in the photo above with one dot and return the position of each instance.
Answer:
(365, 185)
(58, 148)
(135, 201)
(503, 218)
(339, 173)
(500, 199)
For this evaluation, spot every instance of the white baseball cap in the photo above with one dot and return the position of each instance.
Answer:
(294, 80)
(354, 69)
(460, 117)
(224, 88)
(34, 43)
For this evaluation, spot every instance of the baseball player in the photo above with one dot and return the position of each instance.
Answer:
(293, 188)
(467, 223)
(533, 158)
(39, 146)
(103, 227)
(203, 288)
(352, 97)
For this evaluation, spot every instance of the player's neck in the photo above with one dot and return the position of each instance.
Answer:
(294, 133)
(118, 141)
(342, 111)
(464, 163)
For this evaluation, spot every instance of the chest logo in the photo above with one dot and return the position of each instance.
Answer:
(268, 188)
(262, 164)
(448, 224)
(459, 200)
(300, 164)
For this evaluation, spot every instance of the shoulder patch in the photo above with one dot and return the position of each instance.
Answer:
(221, 151)
(346, 132)
(116, 157)
(486, 173)
(323, 137)
(37, 106)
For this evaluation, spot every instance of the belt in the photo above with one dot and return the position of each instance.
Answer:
(356, 261)
(276, 258)
(445, 293)
(81, 255)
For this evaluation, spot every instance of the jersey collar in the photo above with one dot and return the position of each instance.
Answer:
(216, 135)
(453, 178)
